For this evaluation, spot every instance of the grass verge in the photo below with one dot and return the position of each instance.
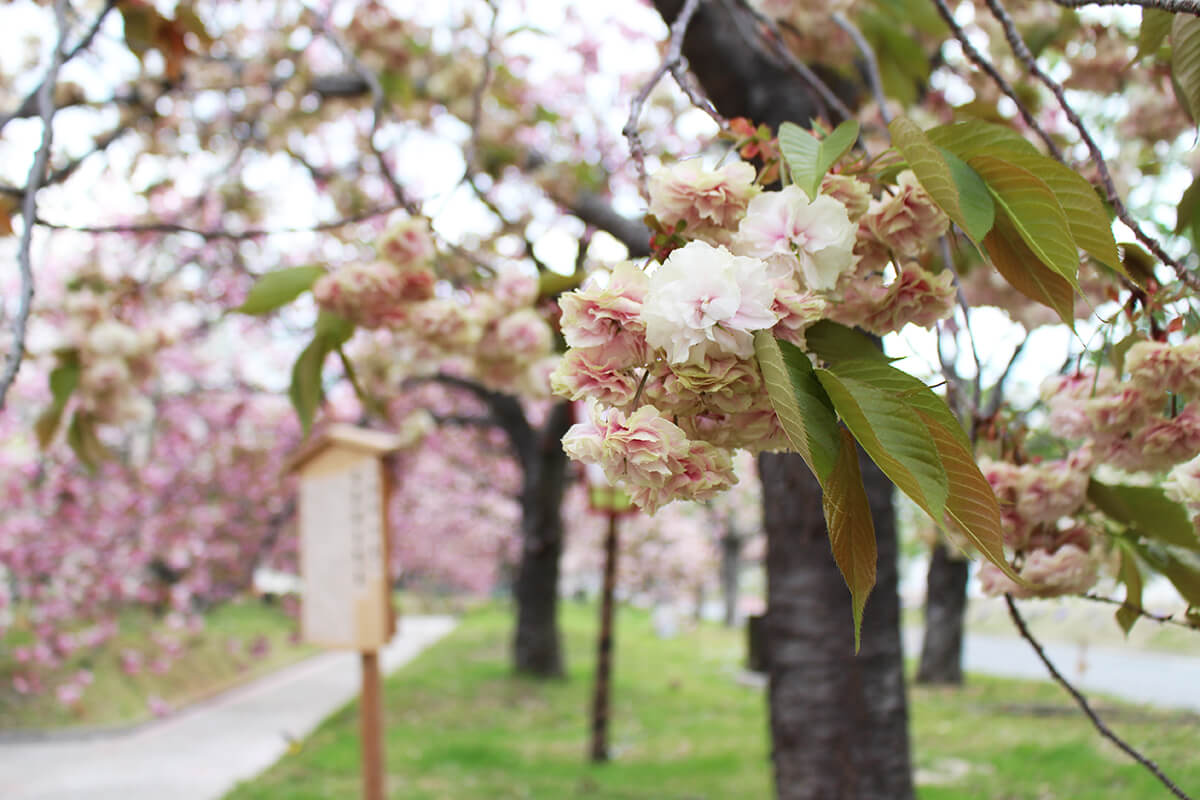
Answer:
(461, 727)
(213, 659)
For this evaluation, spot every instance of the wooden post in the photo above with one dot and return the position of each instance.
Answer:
(371, 719)
(604, 646)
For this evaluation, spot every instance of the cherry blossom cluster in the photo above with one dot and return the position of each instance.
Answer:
(382, 292)
(1149, 421)
(490, 330)
(115, 358)
(1054, 550)
(665, 355)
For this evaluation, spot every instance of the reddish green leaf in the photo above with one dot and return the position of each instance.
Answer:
(851, 529)
(1185, 60)
(1026, 272)
(972, 505)
(1034, 212)
(893, 436)
(803, 408)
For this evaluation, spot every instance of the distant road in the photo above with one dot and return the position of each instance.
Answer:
(1166, 680)
(205, 750)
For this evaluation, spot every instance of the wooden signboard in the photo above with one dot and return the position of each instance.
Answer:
(343, 543)
(345, 590)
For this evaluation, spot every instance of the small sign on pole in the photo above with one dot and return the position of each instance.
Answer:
(345, 590)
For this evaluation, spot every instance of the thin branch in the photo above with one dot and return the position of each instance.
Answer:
(37, 174)
(980, 61)
(30, 105)
(220, 233)
(870, 62)
(1172, 6)
(977, 384)
(671, 61)
(472, 150)
(378, 107)
(1103, 729)
(1163, 619)
(1021, 51)
(998, 388)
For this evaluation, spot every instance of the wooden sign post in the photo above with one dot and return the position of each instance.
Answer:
(346, 593)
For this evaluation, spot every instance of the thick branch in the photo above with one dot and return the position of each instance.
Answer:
(1098, 723)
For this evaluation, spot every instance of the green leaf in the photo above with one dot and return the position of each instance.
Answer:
(1180, 569)
(306, 391)
(893, 436)
(976, 137)
(1187, 213)
(1087, 218)
(1026, 273)
(971, 504)
(932, 171)
(278, 288)
(978, 209)
(1156, 24)
(908, 389)
(809, 158)
(833, 342)
(1147, 511)
(81, 436)
(335, 330)
(1121, 349)
(1034, 211)
(63, 381)
(1185, 60)
(851, 529)
(803, 408)
(1130, 575)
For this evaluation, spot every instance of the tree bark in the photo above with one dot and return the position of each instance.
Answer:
(945, 611)
(839, 721)
(537, 645)
(601, 702)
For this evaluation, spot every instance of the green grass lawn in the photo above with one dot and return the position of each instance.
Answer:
(212, 660)
(461, 727)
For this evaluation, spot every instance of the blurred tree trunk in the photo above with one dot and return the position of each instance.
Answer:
(731, 565)
(537, 646)
(839, 721)
(945, 611)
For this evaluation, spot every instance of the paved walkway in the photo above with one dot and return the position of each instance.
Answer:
(1152, 677)
(202, 752)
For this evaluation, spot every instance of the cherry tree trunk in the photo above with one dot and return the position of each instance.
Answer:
(945, 610)
(839, 721)
(537, 645)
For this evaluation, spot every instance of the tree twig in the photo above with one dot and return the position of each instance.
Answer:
(980, 61)
(1017, 44)
(1172, 6)
(37, 174)
(870, 62)
(1098, 723)
(30, 105)
(1163, 619)
(671, 62)
(221, 233)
